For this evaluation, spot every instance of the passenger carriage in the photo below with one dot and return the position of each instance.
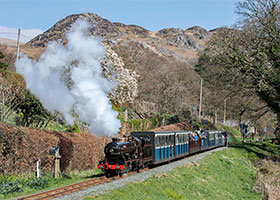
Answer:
(218, 137)
(211, 139)
(182, 143)
(204, 142)
(195, 144)
(167, 145)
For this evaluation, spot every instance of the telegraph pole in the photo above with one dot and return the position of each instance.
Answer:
(225, 104)
(18, 43)
(200, 100)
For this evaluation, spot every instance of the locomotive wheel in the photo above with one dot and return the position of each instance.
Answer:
(107, 174)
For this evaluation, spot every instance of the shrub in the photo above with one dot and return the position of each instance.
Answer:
(37, 183)
(10, 187)
(172, 119)
(197, 125)
(74, 129)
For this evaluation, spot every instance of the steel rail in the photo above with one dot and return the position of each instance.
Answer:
(73, 188)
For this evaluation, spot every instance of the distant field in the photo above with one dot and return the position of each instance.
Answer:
(12, 43)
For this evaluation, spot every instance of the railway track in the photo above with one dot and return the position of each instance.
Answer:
(68, 189)
(73, 188)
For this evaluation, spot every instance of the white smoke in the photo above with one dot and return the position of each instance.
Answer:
(69, 79)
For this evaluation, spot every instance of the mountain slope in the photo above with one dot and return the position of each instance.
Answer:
(168, 54)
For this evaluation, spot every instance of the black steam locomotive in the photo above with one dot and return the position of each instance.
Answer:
(141, 149)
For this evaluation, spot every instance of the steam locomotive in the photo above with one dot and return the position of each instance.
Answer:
(142, 149)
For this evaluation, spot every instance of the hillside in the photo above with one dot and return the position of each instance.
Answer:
(169, 43)
(168, 54)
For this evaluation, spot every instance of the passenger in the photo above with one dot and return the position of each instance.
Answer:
(195, 137)
(202, 136)
(192, 136)
(201, 133)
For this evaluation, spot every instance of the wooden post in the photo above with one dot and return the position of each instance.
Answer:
(216, 114)
(125, 115)
(225, 104)
(200, 101)
(18, 44)
(57, 172)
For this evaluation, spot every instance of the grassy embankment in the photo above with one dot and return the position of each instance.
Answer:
(229, 174)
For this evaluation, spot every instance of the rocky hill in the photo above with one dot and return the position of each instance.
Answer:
(168, 41)
(167, 54)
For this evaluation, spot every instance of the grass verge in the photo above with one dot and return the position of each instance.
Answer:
(222, 175)
(231, 174)
(23, 185)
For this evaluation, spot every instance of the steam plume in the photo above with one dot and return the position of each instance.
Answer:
(69, 79)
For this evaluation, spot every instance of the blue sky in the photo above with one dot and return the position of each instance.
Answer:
(150, 14)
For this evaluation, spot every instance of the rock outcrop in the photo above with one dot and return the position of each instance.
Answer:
(100, 28)
(178, 38)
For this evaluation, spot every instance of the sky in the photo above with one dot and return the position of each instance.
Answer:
(36, 16)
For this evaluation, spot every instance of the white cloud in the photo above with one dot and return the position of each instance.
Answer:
(12, 33)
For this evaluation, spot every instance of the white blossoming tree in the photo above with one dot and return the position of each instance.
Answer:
(126, 89)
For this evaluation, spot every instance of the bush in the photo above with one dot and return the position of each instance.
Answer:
(252, 156)
(172, 119)
(135, 124)
(37, 183)
(197, 125)
(74, 129)
(10, 187)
